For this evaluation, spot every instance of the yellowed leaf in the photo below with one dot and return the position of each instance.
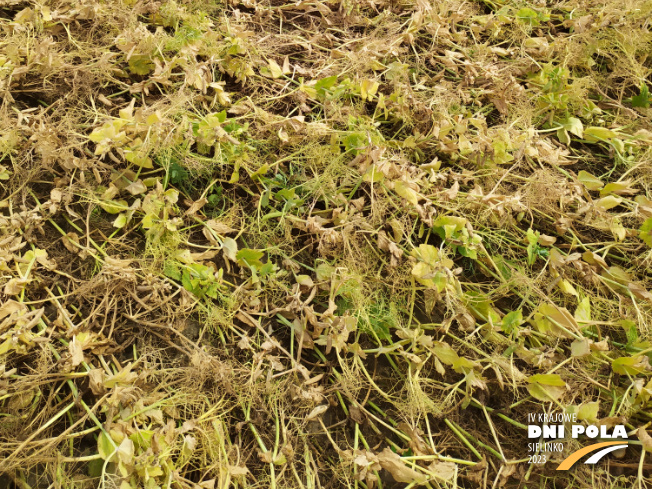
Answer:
(646, 439)
(589, 181)
(545, 240)
(76, 351)
(275, 69)
(608, 202)
(393, 464)
(15, 286)
(317, 412)
(640, 292)
(443, 470)
(404, 190)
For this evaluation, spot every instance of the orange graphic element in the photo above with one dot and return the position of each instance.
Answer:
(575, 456)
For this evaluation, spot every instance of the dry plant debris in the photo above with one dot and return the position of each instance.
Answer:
(322, 243)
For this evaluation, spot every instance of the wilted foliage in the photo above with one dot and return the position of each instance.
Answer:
(323, 243)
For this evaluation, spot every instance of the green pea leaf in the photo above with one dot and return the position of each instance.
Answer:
(629, 365)
(589, 181)
(643, 98)
(140, 64)
(249, 257)
(106, 446)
